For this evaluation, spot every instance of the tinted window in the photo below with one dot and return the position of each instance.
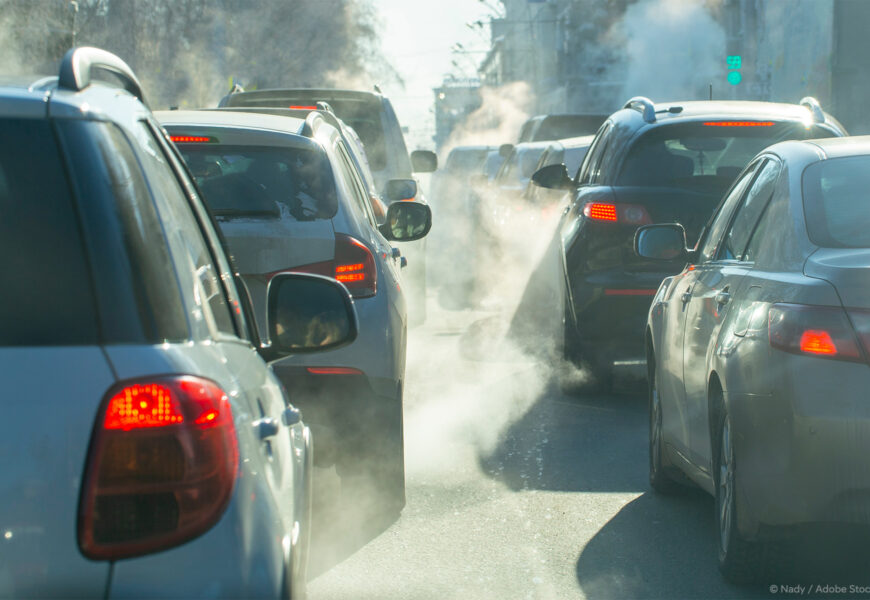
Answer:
(263, 181)
(590, 167)
(46, 297)
(699, 157)
(837, 202)
(747, 216)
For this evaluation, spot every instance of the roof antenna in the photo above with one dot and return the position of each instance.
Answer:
(711, 91)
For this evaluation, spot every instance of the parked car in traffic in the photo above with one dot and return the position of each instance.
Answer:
(287, 196)
(652, 163)
(570, 152)
(372, 116)
(758, 351)
(167, 460)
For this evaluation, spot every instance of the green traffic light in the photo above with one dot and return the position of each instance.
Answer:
(734, 78)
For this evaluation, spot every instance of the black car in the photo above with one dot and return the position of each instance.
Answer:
(652, 164)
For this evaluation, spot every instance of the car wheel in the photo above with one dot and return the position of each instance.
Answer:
(740, 561)
(659, 479)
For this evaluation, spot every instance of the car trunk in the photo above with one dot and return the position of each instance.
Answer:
(50, 402)
(847, 269)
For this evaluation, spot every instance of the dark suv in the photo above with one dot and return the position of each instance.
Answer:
(372, 116)
(647, 164)
(148, 449)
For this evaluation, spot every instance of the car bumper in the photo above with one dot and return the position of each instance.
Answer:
(803, 450)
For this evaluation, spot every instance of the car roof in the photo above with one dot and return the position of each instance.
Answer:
(324, 92)
(845, 146)
(284, 124)
(576, 142)
(695, 109)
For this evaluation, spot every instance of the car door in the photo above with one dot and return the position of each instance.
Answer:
(194, 243)
(713, 284)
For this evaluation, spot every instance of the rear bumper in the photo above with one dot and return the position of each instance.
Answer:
(802, 451)
(349, 415)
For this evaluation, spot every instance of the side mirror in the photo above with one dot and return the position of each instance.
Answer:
(661, 242)
(424, 161)
(308, 313)
(407, 221)
(400, 189)
(505, 149)
(554, 177)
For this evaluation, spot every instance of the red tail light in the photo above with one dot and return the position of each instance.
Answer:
(739, 124)
(192, 139)
(161, 467)
(334, 371)
(300, 107)
(353, 265)
(628, 214)
(813, 330)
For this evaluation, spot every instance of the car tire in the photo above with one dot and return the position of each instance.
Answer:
(740, 561)
(659, 478)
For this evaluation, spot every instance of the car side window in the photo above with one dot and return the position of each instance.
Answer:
(209, 311)
(358, 193)
(591, 164)
(750, 210)
(716, 228)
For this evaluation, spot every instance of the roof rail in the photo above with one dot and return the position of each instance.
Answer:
(43, 83)
(324, 106)
(814, 107)
(78, 63)
(645, 106)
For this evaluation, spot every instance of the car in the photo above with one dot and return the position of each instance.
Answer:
(167, 460)
(758, 350)
(542, 128)
(288, 197)
(372, 116)
(569, 152)
(651, 163)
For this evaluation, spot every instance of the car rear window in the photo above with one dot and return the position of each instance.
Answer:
(837, 202)
(463, 161)
(706, 156)
(263, 181)
(47, 296)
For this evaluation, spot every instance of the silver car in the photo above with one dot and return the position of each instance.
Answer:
(758, 351)
(148, 449)
(288, 197)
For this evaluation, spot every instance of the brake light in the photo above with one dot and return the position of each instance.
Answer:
(739, 123)
(299, 107)
(627, 214)
(813, 330)
(191, 139)
(334, 371)
(355, 266)
(161, 468)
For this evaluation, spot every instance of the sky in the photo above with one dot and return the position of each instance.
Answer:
(416, 39)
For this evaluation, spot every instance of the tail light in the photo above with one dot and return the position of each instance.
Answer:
(353, 265)
(161, 468)
(334, 371)
(813, 330)
(627, 214)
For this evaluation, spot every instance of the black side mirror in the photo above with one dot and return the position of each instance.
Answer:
(661, 242)
(308, 313)
(554, 177)
(505, 150)
(407, 221)
(424, 161)
(400, 189)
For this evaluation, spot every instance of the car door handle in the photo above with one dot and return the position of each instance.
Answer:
(291, 416)
(266, 427)
(723, 297)
(403, 262)
(687, 295)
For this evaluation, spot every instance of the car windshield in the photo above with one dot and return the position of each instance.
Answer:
(836, 195)
(704, 156)
(263, 181)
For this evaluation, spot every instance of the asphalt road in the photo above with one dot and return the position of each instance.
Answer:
(517, 489)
